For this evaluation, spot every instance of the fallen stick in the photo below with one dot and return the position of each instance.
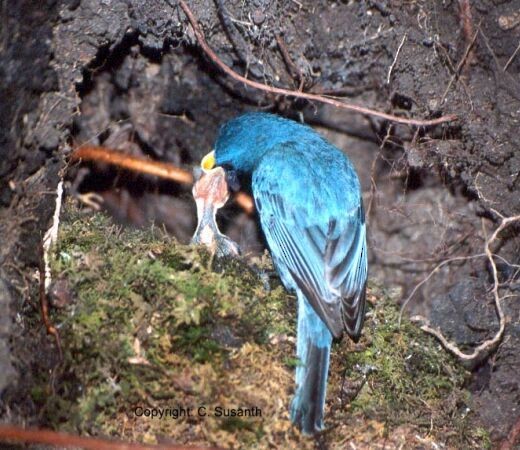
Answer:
(12, 433)
(147, 166)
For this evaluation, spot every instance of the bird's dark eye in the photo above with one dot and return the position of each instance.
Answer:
(232, 180)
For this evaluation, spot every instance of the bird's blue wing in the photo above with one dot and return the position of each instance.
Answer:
(346, 268)
(316, 249)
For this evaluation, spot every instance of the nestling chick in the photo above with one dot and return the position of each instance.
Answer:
(211, 193)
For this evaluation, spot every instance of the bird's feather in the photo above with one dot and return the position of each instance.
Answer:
(320, 242)
(308, 198)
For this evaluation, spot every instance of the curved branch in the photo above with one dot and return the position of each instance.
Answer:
(483, 350)
(133, 163)
(140, 164)
(12, 433)
(291, 93)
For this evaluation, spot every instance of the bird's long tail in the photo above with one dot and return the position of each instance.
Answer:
(313, 349)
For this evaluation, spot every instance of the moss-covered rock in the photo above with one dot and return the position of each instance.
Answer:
(156, 340)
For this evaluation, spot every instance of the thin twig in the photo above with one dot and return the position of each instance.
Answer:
(133, 163)
(373, 184)
(293, 68)
(508, 83)
(11, 433)
(510, 60)
(291, 93)
(467, 24)
(395, 58)
(245, 201)
(236, 39)
(431, 274)
(44, 301)
(147, 166)
(483, 350)
(460, 64)
(452, 70)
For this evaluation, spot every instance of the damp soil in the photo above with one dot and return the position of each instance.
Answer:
(129, 75)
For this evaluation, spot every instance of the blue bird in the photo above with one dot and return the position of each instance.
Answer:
(308, 197)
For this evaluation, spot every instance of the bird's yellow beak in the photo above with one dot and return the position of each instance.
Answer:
(208, 162)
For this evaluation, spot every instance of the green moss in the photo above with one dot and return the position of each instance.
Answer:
(153, 324)
(407, 368)
(482, 436)
(196, 343)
